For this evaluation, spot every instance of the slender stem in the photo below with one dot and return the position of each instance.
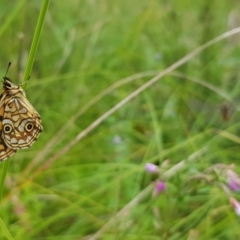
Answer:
(35, 42)
(3, 176)
(4, 230)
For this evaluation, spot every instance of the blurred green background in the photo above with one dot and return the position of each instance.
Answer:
(87, 46)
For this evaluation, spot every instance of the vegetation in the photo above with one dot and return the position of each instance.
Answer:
(110, 104)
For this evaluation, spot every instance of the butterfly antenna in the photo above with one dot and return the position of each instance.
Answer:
(9, 64)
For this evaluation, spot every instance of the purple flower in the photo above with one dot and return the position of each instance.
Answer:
(233, 185)
(233, 180)
(160, 186)
(151, 168)
(236, 205)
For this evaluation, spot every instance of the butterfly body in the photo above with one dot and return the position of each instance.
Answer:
(20, 124)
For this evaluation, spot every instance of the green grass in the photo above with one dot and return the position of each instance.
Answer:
(85, 178)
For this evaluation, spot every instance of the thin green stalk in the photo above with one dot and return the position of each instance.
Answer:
(35, 42)
(27, 72)
(3, 176)
(5, 231)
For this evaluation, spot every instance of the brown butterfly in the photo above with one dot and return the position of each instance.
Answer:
(20, 124)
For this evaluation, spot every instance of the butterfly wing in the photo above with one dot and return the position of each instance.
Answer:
(5, 151)
(21, 124)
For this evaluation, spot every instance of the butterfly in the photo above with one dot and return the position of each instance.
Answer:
(20, 123)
